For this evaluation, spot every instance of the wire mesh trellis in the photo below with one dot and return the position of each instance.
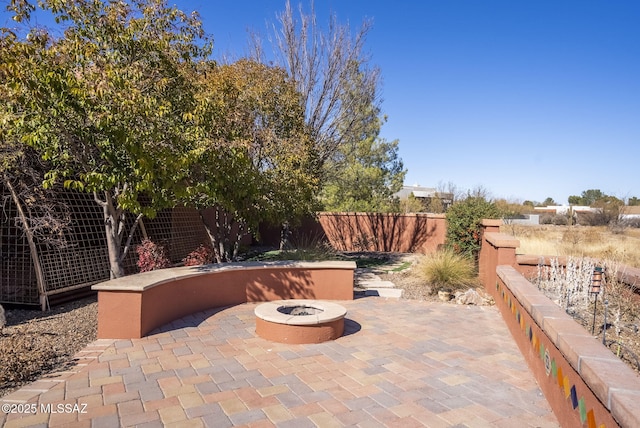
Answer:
(83, 260)
(18, 282)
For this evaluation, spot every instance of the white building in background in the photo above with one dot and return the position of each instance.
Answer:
(630, 213)
(564, 209)
(425, 195)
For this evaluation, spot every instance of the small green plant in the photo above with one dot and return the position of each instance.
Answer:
(447, 270)
(463, 224)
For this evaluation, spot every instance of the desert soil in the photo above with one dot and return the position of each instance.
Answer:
(34, 343)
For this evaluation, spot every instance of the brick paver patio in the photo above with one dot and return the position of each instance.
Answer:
(400, 363)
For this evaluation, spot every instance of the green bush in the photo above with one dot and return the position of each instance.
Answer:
(463, 224)
(447, 270)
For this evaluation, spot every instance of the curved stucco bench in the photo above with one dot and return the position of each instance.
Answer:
(132, 306)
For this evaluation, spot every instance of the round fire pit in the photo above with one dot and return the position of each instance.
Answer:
(300, 321)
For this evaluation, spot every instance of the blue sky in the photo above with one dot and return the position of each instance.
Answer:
(527, 98)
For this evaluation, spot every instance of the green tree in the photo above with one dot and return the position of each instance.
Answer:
(339, 88)
(108, 105)
(610, 207)
(633, 201)
(463, 223)
(367, 170)
(435, 204)
(548, 202)
(575, 200)
(368, 177)
(257, 161)
(588, 197)
(411, 204)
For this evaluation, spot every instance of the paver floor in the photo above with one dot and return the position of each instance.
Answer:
(400, 363)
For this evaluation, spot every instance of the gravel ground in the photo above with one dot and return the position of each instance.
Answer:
(34, 343)
(413, 287)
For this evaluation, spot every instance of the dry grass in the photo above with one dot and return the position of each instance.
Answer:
(578, 241)
(446, 270)
(569, 287)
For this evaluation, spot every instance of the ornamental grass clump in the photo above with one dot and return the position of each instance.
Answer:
(447, 270)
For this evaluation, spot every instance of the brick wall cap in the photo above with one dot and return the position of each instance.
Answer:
(144, 281)
(487, 222)
(501, 240)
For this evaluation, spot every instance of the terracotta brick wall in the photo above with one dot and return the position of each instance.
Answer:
(388, 232)
(584, 382)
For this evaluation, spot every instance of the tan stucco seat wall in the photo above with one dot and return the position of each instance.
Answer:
(132, 306)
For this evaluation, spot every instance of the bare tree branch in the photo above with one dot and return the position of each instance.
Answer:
(322, 66)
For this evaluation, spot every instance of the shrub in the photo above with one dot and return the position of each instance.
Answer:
(463, 224)
(447, 270)
(560, 220)
(308, 247)
(603, 217)
(200, 256)
(151, 256)
(546, 219)
(631, 222)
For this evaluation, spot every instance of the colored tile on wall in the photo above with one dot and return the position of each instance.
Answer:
(563, 381)
(560, 378)
(574, 397)
(583, 410)
(591, 419)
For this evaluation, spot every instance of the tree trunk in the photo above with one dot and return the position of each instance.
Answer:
(285, 232)
(113, 246)
(225, 249)
(217, 254)
(114, 228)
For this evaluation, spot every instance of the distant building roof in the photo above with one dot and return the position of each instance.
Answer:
(418, 192)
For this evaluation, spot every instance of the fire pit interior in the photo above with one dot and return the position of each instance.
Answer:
(299, 310)
(300, 321)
